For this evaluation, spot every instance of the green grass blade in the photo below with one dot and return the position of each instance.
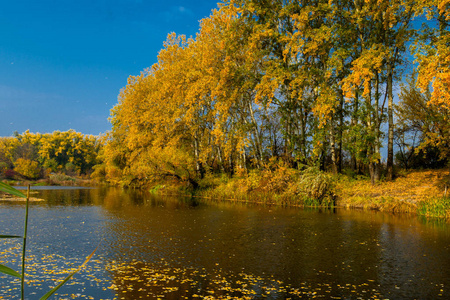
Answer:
(9, 271)
(52, 291)
(10, 190)
(9, 236)
(24, 245)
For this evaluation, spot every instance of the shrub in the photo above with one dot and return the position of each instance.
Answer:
(278, 179)
(27, 168)
(3, 167)
(156, 188)
(51, 165)
(316, 187)
(99, 172)
(252, 181)
(61, 178)
(70, 169)
(9, 174)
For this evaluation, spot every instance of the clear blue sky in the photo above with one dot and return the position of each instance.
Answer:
(63, 62)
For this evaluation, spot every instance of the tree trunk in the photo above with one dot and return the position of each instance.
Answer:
(377, 121)
(257, 135)
(244, 161)
(198, 163)
(341, 126)
(334, 164)
(354, 121)
(372, 172)
(221, 162)
(390, 157)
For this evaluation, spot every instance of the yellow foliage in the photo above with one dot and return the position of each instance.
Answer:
(434, 69)
(27, 168)
(263, 79)
(413, 188)
(51, 151)
(186, 107)
(363, 71)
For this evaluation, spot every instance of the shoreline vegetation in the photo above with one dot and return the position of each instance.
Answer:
(421, 192)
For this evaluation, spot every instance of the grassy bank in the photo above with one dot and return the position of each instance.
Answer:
(417, 192)
(420, 192)
(278, 186)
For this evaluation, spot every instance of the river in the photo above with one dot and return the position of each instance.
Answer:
(153, 247)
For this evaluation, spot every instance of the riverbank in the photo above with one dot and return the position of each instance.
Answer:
(417, 192)
(8, 198)
(54, 180)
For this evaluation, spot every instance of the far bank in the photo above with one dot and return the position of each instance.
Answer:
(422, 192)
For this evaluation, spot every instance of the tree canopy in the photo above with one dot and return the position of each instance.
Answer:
(34, 155)
(308, 82)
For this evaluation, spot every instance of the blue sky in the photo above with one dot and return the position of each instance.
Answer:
(63, 62)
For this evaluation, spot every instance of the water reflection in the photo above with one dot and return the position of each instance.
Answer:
(184, 248)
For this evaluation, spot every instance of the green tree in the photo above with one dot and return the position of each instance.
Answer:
(418, 115)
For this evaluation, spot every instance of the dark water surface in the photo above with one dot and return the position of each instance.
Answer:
(171, 248)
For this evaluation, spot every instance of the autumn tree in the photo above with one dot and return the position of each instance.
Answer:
(420, 118)
(432, 51)
(30, 152)
(197, 102)
(383, 29)
(304, 80)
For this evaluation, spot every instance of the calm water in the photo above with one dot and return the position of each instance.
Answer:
(172, 248)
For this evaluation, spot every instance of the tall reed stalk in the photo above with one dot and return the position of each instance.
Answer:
(22, 281)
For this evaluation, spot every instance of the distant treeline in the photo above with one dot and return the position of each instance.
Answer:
(303, 82)
(35, 155)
